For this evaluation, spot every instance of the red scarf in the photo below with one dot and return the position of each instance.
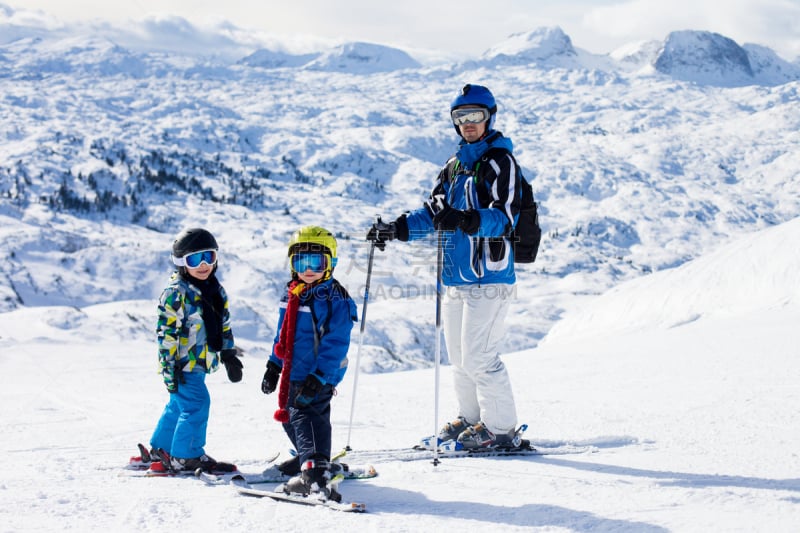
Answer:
(285, 346)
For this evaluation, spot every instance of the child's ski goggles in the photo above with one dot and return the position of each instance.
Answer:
(469, 115)
(313, 261)
(195, 259)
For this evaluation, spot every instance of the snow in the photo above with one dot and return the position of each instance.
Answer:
(659, 324)
(704, 288)
(694, 424)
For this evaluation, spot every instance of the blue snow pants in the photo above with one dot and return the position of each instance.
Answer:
(309, 428)
(181, 430)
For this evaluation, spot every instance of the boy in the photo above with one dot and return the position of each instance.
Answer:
(309, 356)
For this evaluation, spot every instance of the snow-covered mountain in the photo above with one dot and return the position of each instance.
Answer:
(693, 56)
(75, 55)
(768, 68)
(107, 152)
(544, 46)
(707, 58)
(355, 58)
(265, 58)
(708, 288)
(362, 58)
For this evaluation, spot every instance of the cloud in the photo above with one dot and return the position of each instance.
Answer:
(304, 26)
(27, 18)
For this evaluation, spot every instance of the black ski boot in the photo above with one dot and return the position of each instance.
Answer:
(313, 480)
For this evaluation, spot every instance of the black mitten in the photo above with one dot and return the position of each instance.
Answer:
(233, 365)
(470, 222)
(380, 232)
(448, 218)
(271, 376)
(309, 391)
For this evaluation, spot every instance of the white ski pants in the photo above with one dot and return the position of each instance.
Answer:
(473, 320)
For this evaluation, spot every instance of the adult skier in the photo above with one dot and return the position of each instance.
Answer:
(476, 218)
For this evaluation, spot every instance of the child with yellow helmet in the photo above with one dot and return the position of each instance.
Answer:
(309, 358)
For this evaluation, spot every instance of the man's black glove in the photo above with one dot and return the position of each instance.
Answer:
(309, 391)
(271, 376)
(233, 365)
(448, 219)
(381, 232)
(470, 221)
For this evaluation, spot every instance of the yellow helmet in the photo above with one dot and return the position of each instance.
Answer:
(314, 239)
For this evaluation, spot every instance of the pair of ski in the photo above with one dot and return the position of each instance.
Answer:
(453, 449)
(278, 494)
(243, 484)
(227, 473)
(158, 465)
(450, 449)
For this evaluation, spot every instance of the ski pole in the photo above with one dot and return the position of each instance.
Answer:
(438, 349)
(360, 339)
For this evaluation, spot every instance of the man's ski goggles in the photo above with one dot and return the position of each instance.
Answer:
(195, 259)
(313, 261)
(469, 115)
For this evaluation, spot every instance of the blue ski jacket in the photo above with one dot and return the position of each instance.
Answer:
(487, 256)
(322, 333)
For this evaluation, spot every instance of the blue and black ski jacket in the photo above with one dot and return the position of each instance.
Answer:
(490, 184)
(322, 333)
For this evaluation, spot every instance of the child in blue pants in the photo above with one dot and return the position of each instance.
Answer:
(194, 336)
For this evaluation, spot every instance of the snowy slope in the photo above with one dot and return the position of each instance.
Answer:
(666, 288)
(694, 426)
(758, 272)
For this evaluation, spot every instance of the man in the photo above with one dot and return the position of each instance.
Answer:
(475, 203)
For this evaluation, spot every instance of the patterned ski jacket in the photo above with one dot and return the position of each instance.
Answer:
(322, 332)
(181, 332)
(486, 256)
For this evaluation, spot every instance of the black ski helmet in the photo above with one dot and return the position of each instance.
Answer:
(193, 240)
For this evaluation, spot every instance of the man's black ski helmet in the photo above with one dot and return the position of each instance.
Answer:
(193, 240)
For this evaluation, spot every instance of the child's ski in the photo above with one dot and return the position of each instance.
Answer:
(277, 495)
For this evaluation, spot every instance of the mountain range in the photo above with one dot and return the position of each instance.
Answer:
(641, 160)
(697, 56)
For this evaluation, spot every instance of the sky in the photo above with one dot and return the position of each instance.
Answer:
(461, 29)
